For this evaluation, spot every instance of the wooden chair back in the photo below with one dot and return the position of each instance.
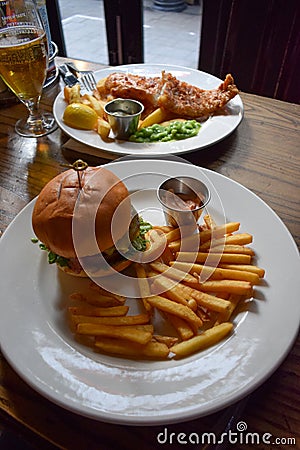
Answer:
(258, 41)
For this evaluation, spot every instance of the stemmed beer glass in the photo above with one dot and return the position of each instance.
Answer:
(24, 62)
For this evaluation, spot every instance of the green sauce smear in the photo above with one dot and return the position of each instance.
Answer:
(175, 131)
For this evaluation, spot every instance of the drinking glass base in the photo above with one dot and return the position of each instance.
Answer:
(36, 129)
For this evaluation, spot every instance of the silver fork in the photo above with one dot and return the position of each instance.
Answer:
(88, 82)
(85, 77)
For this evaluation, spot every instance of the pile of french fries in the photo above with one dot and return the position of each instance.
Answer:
(194, 300)
(74, 95)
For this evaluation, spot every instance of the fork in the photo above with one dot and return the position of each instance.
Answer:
(88, 82)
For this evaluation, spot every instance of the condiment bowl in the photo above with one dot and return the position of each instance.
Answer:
(123, 116)
(183, 200)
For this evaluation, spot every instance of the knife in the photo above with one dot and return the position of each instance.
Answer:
(73, 69)
(69, 78)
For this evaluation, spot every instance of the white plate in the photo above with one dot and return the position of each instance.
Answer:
(213, 130)
(36, 341)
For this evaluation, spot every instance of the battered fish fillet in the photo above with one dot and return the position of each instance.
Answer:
(178, 97)
(186, 100)
(122, 85)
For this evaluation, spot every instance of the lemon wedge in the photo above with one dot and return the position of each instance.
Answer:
(79, 115)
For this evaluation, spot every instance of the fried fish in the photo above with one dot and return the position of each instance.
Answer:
(179, 97)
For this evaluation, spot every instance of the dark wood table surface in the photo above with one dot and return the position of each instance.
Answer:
(263, 155)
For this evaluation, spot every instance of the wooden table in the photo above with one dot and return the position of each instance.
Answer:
(263, 155)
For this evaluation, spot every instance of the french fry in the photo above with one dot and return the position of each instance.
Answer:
(213, 258)
(234, 300)
(171, 290)
(96, 300)
(218, 231)
(138, 319)
(192, 304)
(153, 350)
(113, 311)
(142, 281)
(177, 233)
(188, 243)
(174, 291)
(204, 237)
(72, 94)
(95, 287)
(230, 248)
(96, 104)
(177, 309)
(129, 333)
(245, 267)
(234, 239)
(103, 128)
(216, 273)
(145, 327)
(173, 272)
(143, 286)
(209, 221)
(208, 338)
(164, 228)
(184, 330)
(173, 235)
(156, 116)
(152, 273)
(203, 299)
(184, 293)
(230, 286)
(85, 339)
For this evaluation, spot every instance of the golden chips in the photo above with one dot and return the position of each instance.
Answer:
(194, 294)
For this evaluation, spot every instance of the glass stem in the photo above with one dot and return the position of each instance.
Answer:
(35, 119)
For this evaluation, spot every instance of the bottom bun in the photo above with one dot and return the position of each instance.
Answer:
(118, 267)
(69, 271)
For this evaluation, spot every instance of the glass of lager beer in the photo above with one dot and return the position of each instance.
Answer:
(24, 62)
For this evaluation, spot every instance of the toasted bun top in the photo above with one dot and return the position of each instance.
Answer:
(101, 195)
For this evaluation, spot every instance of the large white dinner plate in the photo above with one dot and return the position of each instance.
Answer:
(213, 130)
(36, 340)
